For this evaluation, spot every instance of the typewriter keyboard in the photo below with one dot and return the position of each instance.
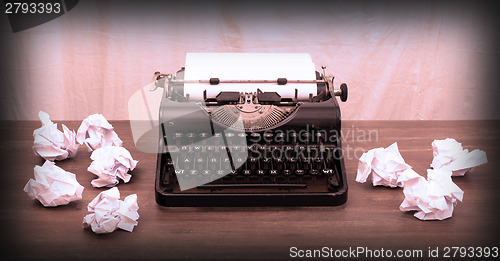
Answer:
(263, 161)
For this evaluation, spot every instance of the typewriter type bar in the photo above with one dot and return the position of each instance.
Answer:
(252, 147)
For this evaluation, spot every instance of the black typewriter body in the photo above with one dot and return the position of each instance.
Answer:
(283, 152)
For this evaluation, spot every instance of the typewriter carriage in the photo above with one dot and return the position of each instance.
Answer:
(261, 113)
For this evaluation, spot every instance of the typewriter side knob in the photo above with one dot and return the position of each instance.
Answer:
(343, 92)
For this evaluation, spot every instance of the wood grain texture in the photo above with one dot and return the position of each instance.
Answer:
(370, 217)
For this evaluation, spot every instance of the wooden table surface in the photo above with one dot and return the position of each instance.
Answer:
(370, 218)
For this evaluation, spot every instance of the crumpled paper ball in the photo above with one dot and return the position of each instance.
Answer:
(434, 198)
(110, 213)
(53, 186)
(384, 165)
(449, 154)
(96, 132)
(111, 164)
(52, 144)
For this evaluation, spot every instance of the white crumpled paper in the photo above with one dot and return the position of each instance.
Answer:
(111, 164)
(52, 144)
(434, 198)
(53, 186)
(449, 154)
(96, 132)
(110, 213)
(385, 165)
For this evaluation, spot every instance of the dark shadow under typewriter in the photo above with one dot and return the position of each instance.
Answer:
(250, 149)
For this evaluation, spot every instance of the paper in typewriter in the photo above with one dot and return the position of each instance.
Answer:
(249, 66)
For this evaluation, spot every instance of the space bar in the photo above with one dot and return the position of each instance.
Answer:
(254, 186)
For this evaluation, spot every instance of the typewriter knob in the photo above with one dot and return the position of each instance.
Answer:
(343, 94)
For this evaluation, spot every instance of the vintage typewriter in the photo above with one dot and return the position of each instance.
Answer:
(249, 130)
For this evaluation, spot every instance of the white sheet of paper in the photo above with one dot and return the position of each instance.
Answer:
(385, 165)
(52, 144)
(249, 66)
(53, 186)
(110, 213)
(96, 132)
(449, 154)
(434, 198)
(110, 164)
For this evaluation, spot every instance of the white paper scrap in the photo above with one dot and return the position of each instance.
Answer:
(111, 164)
(434, 198)
(449, 154)
(96, 132)
(385, 165)
(110, 213)
(52, 144)
(53, 186)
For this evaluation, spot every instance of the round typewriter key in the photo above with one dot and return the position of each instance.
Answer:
(278, 164)
(253, 163)
(186, 163)
(304, 163)
(242, 138)
(229, 137)
(289, 152)
(280, 138)
(210, 149)
(255, 137)
(292, 164)
(293, 137)
(313, 172)
(276, 152)
(240, 161)
(213, 163)
(265, 163)
(197, 149)
(318, 163)
(204, 137)
(327, 171)
(313, 151)
(178, 138)
(190, 137)
(218, 138)
(268, 137)
(319, 137)
(262, 150)
(305, 137)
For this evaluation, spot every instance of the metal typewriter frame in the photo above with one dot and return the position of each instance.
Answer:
(166, 197)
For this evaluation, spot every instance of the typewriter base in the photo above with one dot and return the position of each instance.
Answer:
(250, 200)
